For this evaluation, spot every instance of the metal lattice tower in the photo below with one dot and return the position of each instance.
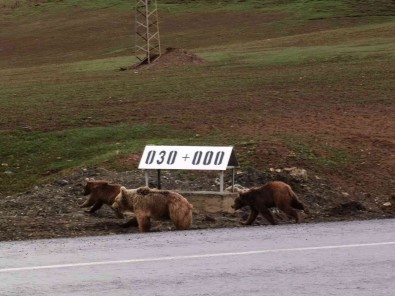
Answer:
(147, 42)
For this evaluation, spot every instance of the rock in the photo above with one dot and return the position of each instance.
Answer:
(26, 128)
(387, 204)
(296, 173)
(209, 218)
(345, 194)
(236, 187)
(62, 182)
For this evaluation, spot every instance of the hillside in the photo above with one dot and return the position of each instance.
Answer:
(305, 84)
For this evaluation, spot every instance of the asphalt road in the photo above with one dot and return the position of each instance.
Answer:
(346, 258)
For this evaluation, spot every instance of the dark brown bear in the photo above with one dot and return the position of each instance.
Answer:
(273, 194)
(100, 192)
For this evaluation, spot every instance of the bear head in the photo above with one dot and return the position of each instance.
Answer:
(245, 198)
(123, 202)
(238, 203)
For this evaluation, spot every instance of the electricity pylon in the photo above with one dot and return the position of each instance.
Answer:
(147, 41)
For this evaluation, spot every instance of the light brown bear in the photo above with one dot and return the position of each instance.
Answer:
(272, 194)
(149, 203)
(100, 192)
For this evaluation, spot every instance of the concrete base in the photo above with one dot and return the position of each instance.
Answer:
(211, 202)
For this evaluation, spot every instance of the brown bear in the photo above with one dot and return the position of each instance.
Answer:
(272, 194)
(100, 192)
(149, 203)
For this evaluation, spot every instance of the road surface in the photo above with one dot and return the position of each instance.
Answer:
(342, 258)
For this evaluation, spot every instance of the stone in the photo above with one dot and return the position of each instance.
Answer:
(297, 173)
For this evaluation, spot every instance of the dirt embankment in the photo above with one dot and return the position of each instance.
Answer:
(52, 210)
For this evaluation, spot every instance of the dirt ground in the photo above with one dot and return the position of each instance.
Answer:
(52, 210)
(172, 57)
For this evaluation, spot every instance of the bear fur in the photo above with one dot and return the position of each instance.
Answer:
(272, 194)
(149, 203)
(100, 192)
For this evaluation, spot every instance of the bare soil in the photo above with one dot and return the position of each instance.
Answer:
(170, 58)
(52, 210)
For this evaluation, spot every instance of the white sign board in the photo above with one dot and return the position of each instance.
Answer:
(185, 157)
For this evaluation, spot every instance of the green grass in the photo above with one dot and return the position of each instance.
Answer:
(309, 55)
(29, 157)
(356, 42)
(318, 153)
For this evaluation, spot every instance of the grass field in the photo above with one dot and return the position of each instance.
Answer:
(288, 83)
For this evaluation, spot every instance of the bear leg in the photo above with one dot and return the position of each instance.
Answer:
(292, 213)
(89, 202)
(251, 218)
(144, 222)
(95, 207)
(181, 215)
(183, 223)
(268, 215)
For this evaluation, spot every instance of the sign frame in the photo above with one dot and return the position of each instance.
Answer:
(215, 158)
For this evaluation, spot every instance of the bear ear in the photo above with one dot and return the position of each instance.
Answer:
(123, 190)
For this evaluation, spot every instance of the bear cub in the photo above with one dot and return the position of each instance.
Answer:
(100, 192)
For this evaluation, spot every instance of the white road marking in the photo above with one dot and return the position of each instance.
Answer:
(193, 256)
